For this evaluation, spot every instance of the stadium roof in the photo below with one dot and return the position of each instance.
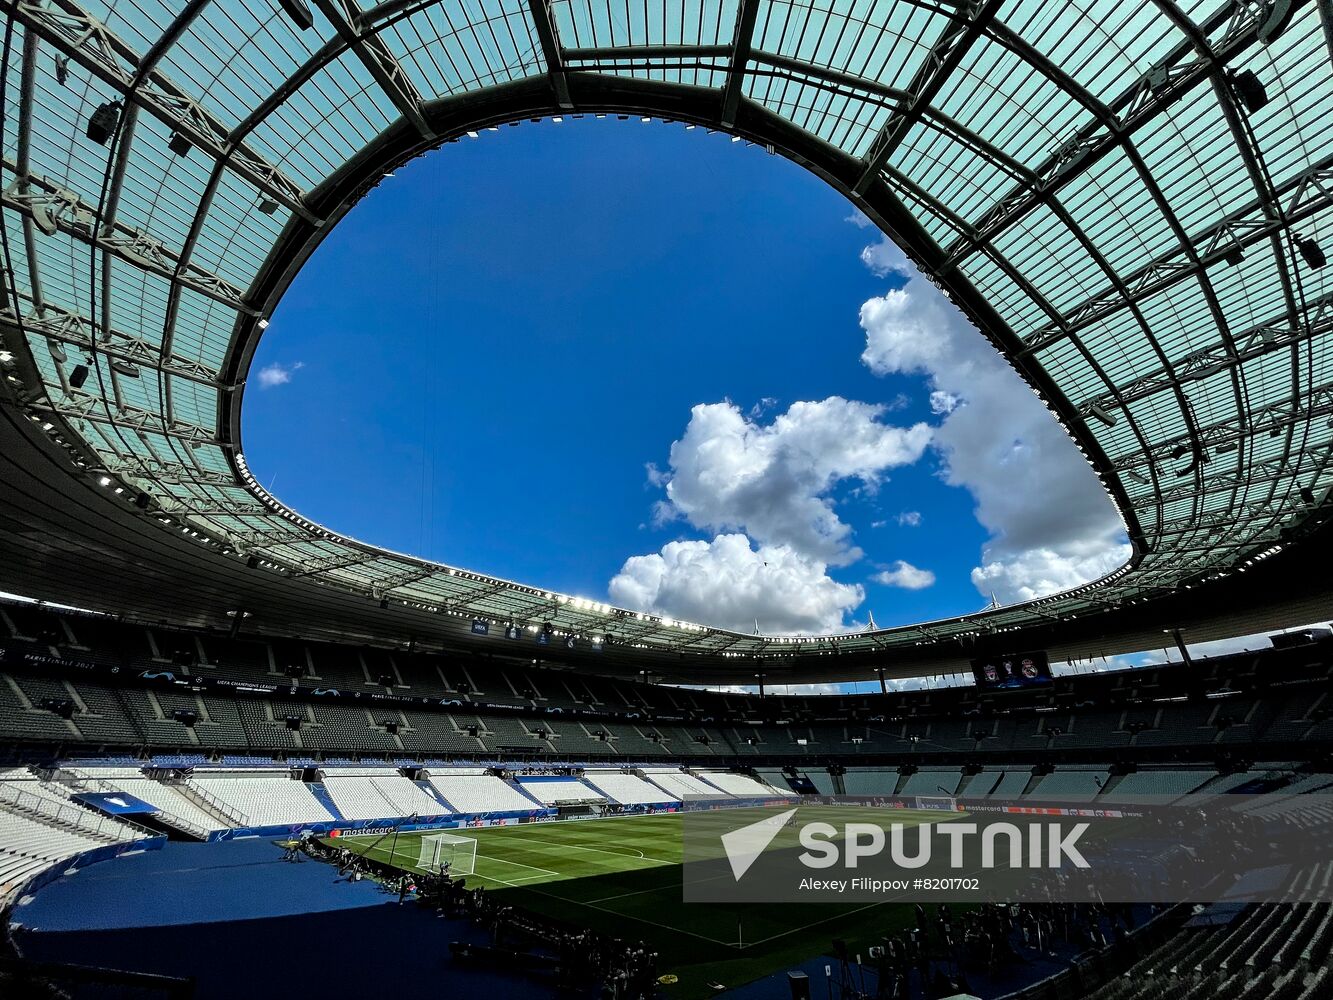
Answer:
(1131, 200)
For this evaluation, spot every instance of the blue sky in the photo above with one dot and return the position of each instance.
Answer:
(488, 362)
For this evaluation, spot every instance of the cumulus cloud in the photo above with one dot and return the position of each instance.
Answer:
(1051, 524)
(905, 575)
(728, 472)
(910, 518)
(278, 374)
(730, 584)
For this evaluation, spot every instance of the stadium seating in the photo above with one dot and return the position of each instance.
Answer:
(262, 799)
(174, 808)
(680, 784)
(1157, 784)
(549, 791)
(741, 785)
(478, 792)
(628, 789)
(366, 793)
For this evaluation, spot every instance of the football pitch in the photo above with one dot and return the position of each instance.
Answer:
(622, 877)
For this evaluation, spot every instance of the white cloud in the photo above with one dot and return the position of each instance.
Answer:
(1051, 524)
(905, 575)
(943, 403)
(277, 374)
(1033, 573)
(910, 518)
(729, 584)
(728, 472)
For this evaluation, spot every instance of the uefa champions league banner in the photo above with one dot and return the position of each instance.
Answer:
(1149, 849)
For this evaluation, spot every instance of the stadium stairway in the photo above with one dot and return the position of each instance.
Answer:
(321, 793)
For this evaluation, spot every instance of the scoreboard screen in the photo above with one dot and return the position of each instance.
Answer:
(1011, 671)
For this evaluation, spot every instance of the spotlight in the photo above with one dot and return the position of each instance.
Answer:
(299, 12)
(1314, 256)
(252, 562)
(179, 144)
(124, 368)
(78, 376)
(44, 219)
(103, 122)
(1249, 90)
(1098, 411)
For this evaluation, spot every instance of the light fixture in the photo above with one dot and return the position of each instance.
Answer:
(1310, 250)
(124, 368)
(1249, 90)
(44, 219)
(103, 122)
(1099, 411)
(104, 481)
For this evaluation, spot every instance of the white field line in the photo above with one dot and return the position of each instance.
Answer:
(599, 850)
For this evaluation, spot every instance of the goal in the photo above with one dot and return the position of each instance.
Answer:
(938, 803)
(440, 849)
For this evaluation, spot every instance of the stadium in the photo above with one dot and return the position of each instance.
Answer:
(242, 753)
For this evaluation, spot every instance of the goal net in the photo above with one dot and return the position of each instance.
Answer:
(439, 850)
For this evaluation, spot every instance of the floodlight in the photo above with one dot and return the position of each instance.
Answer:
(103, 122)
(1249, 90)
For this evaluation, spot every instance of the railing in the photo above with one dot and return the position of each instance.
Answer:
(71, 816)
(206, 800)
(169, 818)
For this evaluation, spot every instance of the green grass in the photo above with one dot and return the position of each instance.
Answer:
(622, 877)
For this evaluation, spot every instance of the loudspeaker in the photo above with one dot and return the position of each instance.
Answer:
(294, 722)
(799, 984)
(62, 707)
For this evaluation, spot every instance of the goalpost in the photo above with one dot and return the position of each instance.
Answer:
(439, 849)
